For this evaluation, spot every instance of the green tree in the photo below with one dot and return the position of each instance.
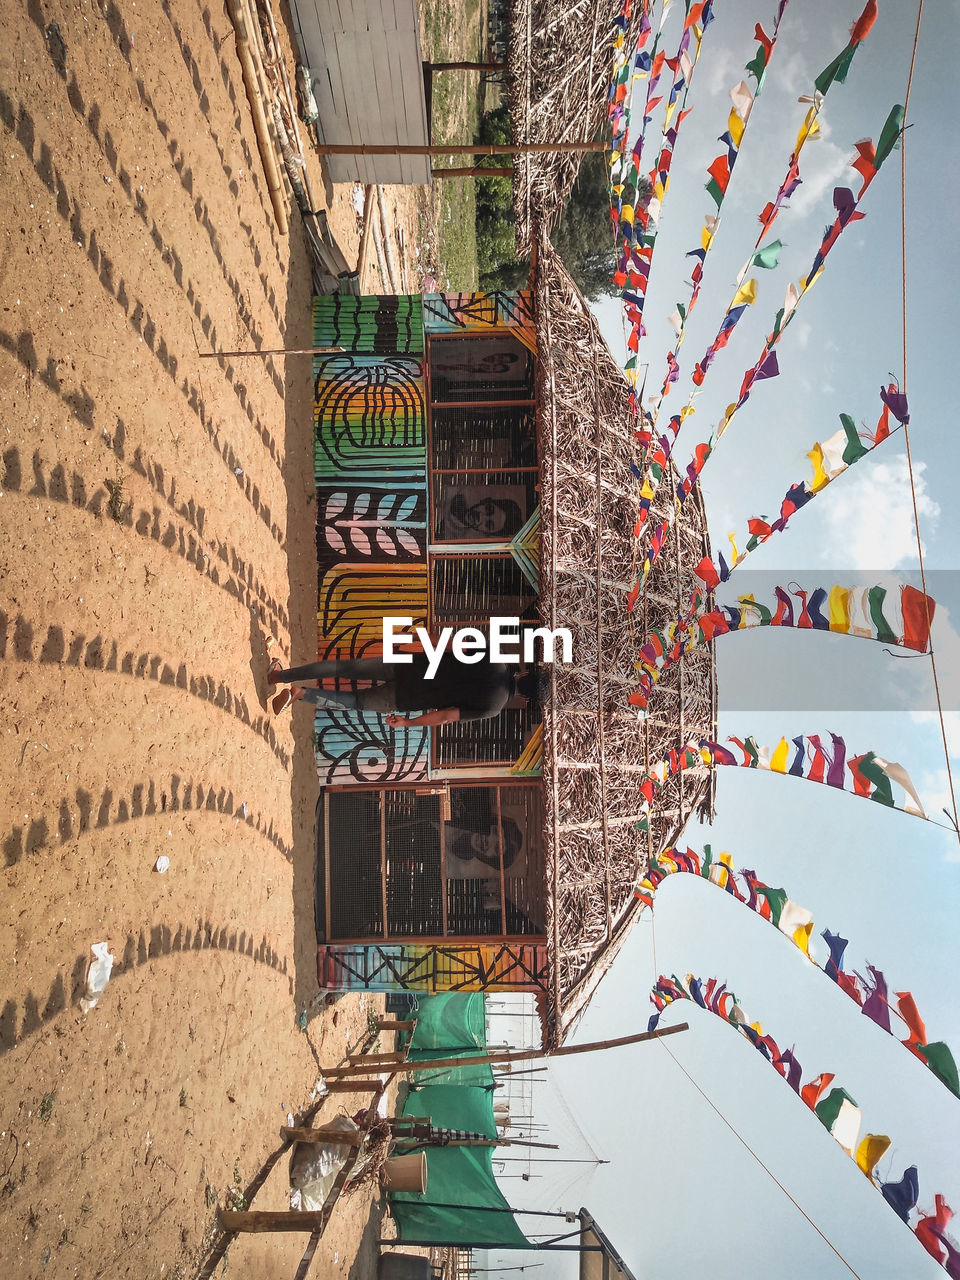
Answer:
(584, 237)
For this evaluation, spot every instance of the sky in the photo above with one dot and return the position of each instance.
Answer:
(684, 1195)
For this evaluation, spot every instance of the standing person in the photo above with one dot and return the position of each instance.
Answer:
(458, 691)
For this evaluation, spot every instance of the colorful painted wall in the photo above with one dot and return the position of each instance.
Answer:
(370, 465)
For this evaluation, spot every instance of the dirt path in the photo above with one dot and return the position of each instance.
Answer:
(157, 524)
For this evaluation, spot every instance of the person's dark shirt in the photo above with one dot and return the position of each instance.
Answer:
(477, 690)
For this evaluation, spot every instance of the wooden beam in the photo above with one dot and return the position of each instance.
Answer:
(323, 1134)
(472, 171)
(466, 66)
(341, 1075)
(458, 148)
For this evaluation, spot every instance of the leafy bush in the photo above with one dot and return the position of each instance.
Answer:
(584, 238)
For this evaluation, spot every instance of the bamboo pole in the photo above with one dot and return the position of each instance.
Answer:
(458, 148)
(336, 1137)
(472, 171)
(387, 245)
(273, 351)
(339, 1075)
(467, 66)
(261, 128)
(365, 235)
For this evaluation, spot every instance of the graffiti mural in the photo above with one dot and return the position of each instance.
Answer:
(419, 967)
(354, 598)
(470, 312)
(371, 470)
(369, 421)
(369, 325)
(353, 745)
(370, 522)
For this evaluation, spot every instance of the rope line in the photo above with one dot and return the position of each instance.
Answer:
(906, 428)
(770, 1174)
(743, 1142)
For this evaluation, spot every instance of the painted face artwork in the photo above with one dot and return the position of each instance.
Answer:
(483, 511)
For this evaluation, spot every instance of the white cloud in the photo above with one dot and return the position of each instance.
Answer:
(721, 72)
(869, 515)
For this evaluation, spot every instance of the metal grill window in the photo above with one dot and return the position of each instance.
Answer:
(474, 589)
(485, 439)
(476, 872)
(483, 489)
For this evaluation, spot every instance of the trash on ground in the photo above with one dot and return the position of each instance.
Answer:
(98, 975)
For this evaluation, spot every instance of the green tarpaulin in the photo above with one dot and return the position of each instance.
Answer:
(450, 1021)
(457, 1176)
(450, 1026)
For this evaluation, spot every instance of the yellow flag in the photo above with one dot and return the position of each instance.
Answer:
(870, 1150)
(747, 293)
(801, 938)
(838, 605)
(809, 129)
(778, 761)
(820, 477)
(735, 128)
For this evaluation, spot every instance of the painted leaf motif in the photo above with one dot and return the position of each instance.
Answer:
(335, 504)
(385, 506)
(360, 541)
(407, 507)
(334, 540)
(361, 505)
(407, 541)
(385, 542)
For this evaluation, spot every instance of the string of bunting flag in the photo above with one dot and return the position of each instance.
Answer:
(842, 610)
(830, 460)
(833, 1106)
(796, 923)
(764, 368)
(835, 72)
(720, 173)
(867, 775)
(637, 199)
(868, 161)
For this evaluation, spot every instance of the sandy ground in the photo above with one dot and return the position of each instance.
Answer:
(157, 525)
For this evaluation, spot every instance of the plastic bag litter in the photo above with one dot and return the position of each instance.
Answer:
(98, 975)
(314, 1165)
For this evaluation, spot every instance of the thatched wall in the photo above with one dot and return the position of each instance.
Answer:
(560, 59)
(596, 749)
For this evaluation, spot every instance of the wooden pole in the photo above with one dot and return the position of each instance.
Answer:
(352, 1085)
(312, 1220)
(368, 199)
(340, 1074)
(472, 171)
(336, 1137)
(458, 148)
(273, 351)
(268, 157)
(467, 66)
